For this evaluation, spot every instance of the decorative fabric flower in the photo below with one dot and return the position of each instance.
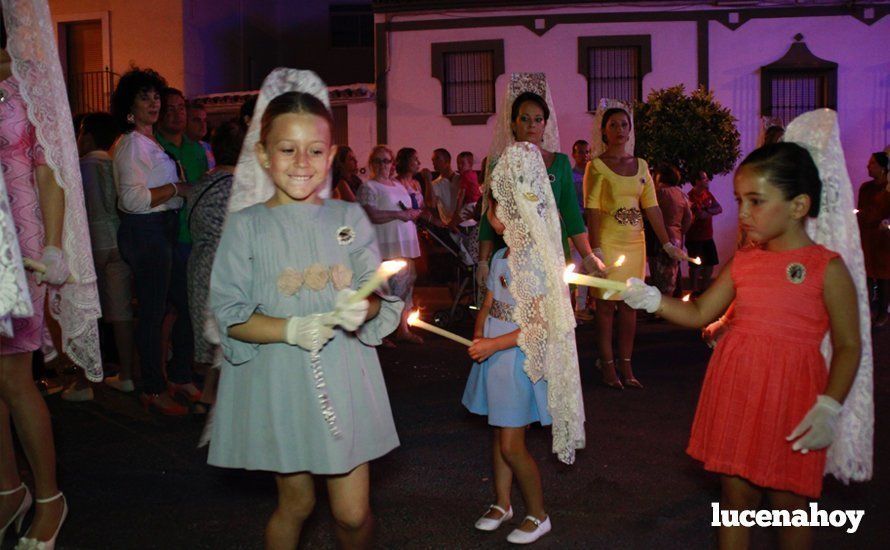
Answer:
(341, 277)
(316, 276)
(345, 235)
(289, 281)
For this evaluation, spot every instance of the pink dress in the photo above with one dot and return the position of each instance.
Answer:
(766, 372)
(20, 154)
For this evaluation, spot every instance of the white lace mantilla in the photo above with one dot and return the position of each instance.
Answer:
(850, 456)
(543, 310)
(15, 300)
(252, 184)
(35, 63)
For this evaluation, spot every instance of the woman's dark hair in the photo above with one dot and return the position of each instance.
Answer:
(789, 167)
(297, 103)
(226, 143)
(246, 111)
(338, 167)
(609, 114)
(403, 159)
(882, 159)
(668, 174)
(526, 97)
(102, 127)
(131, 84)
(2, 31)
(773, 134)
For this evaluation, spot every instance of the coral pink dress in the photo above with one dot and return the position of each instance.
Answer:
(20, 154)
(766, 372)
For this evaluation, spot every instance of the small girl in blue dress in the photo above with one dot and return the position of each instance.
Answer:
(499, 388)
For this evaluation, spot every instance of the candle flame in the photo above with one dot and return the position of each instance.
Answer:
(412, 319)
(567, 274)
(696, 260)
(620, 261)
(391, 267)
(686, 297)
(855, 210)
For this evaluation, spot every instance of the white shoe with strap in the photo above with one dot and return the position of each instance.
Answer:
(19, 515)
(490, 524)
(518, 536)
(26, 543)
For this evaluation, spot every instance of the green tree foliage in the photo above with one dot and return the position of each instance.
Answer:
(693, 132)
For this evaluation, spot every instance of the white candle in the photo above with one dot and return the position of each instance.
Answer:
(386, 270)
(34, 265)
(414, 321)
(570, 277)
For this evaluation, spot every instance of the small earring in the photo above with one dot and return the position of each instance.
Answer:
(267, 164)
(131, 118)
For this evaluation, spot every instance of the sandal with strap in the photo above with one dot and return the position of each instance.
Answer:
(19, 516)
(630, 381)
(486, 523)
(615, 383)
(26, 543)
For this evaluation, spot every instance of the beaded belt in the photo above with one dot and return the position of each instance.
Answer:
(502, 311)
(628, 216)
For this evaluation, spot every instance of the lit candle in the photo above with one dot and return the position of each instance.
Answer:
(414, 321)
(570, 277)
(386, 270)
(618, 263)
(687, 296)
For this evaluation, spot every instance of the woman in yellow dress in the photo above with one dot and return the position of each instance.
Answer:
(618, 190)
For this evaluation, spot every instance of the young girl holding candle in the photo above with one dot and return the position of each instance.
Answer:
(769, 409)
(300, 392)
(526, 366)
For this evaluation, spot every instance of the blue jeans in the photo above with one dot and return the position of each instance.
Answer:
(179, 369)
(146, 243)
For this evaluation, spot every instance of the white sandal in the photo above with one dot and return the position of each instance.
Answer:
(19, 515)
(26, 543)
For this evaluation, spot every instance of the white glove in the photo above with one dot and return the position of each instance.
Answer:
(819, 425)
(639, 295)
(598, 252)
(675, 253)
(311, 332)
(482, 273)
(593, 264)
(56, 267)
(348, 314)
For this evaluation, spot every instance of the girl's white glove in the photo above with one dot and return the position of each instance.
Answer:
(673, 252)
(56, 267)
(311, 332)
(817, 427)
(482, 270)
(639, 295)
(593, 264)
(347, 313)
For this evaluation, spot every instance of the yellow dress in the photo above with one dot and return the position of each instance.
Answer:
(621, 200)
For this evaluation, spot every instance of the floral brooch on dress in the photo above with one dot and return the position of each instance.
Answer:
(315, 277)
(345, 235)
(796, 272)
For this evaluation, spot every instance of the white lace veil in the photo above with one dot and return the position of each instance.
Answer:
(31, 43)
(543, 310)
(503, 134)
(251, 184)
(850, 456)
(597, 145)
(15, 299)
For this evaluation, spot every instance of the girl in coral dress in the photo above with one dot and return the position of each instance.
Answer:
(769, 408)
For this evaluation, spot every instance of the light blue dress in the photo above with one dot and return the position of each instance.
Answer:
(268, 415)
(499, 387)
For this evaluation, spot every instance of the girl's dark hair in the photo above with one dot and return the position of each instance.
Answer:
(668, 174)
(131, 84)
(338, 167)
(226, 143)
(102, 127)
(789, 167)
(607, 115)
(525, 97)
(403, 159)
(773, 134)
(297, 103)
(882, 159)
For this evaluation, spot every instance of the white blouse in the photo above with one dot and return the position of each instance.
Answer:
(140, 164)
(397, 238)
